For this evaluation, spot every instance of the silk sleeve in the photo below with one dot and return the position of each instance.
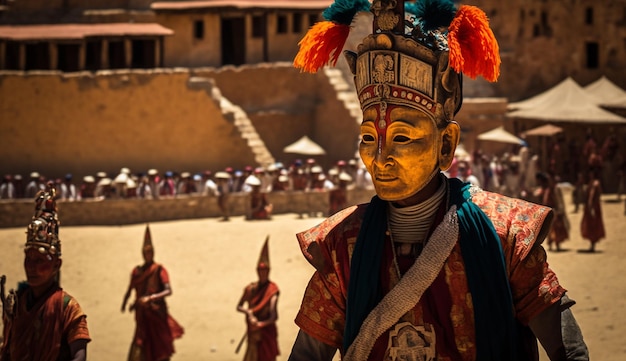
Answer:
(328, 248)
(522, 226)
(75, 322)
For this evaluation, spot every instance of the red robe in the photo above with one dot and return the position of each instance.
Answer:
(45, 331)
(155, 329)
(592, 225)
(262, 343)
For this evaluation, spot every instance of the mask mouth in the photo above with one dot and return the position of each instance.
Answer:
(385, 177)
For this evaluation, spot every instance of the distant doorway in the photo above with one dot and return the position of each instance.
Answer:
(37, 56)
(233, 41)
(68, 57)
(117, 55)
(12, 56)
(143, 54)
(93, 55)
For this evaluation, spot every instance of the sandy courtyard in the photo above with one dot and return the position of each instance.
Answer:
(210, 262)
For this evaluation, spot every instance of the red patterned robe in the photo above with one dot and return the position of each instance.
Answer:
(444, 315)
(44, 331)
(155, 329)
(262, 343)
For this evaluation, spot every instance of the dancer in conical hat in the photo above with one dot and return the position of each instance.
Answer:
(259, 302)
(41, 320)
(155, 329)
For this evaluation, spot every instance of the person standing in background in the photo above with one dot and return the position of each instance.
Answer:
(155, 329)
(548, 195)
(592, 225)
(259, 304)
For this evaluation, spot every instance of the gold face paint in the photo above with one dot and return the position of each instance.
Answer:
(401, 150)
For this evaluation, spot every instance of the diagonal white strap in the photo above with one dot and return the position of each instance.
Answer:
(405, 295)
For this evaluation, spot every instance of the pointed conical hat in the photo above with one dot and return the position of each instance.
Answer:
(147, 238)
(264, 258)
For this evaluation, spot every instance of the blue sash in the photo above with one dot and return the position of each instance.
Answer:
(484, 265)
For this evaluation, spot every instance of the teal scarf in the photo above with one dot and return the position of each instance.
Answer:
(484, 265)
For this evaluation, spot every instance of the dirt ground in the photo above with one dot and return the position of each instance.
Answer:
(210, 262)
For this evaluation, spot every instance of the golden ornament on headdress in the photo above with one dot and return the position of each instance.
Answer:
(42, 232)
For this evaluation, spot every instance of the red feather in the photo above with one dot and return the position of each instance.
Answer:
(473, 47)
(321, 45)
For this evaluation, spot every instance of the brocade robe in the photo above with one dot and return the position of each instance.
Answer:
(443, 318)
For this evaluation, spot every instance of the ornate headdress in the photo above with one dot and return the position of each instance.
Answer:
(43, 231)
(415, 55)
(264, 257)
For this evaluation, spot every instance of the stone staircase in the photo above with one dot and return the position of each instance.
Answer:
(236, 115)
(345, 93)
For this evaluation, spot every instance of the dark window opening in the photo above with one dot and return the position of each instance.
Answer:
(198, 29)
(589, 16)
(143, 54)
(233, 41)
(117, 55)
(258, 26)
(68, 57)
(522, 15)
(544, 18)
(93, 55)
(12, 55)
(592, 55)
(281, 26)
(313, 19)
(545, 25)
(536, 31)
(296, 25)
(38, 56)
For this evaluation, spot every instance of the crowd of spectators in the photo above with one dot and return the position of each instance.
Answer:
(300, 175)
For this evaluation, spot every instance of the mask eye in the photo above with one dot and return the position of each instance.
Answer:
(368, 138)
(401, 139)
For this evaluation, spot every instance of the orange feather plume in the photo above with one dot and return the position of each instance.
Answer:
(321, 45)
(473, 47)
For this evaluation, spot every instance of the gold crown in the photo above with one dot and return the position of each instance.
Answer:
(43, 231)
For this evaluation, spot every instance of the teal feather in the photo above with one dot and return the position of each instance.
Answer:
(343, 11)
(432, 14)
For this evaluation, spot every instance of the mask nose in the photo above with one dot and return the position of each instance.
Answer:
(382, 153)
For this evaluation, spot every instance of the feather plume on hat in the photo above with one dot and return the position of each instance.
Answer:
(324, 41)
(437, 24)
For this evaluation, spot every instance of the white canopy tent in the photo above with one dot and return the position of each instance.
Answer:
(500, 135)
(566, 102)
(607, 93)
(304, 146)
(546, 130)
